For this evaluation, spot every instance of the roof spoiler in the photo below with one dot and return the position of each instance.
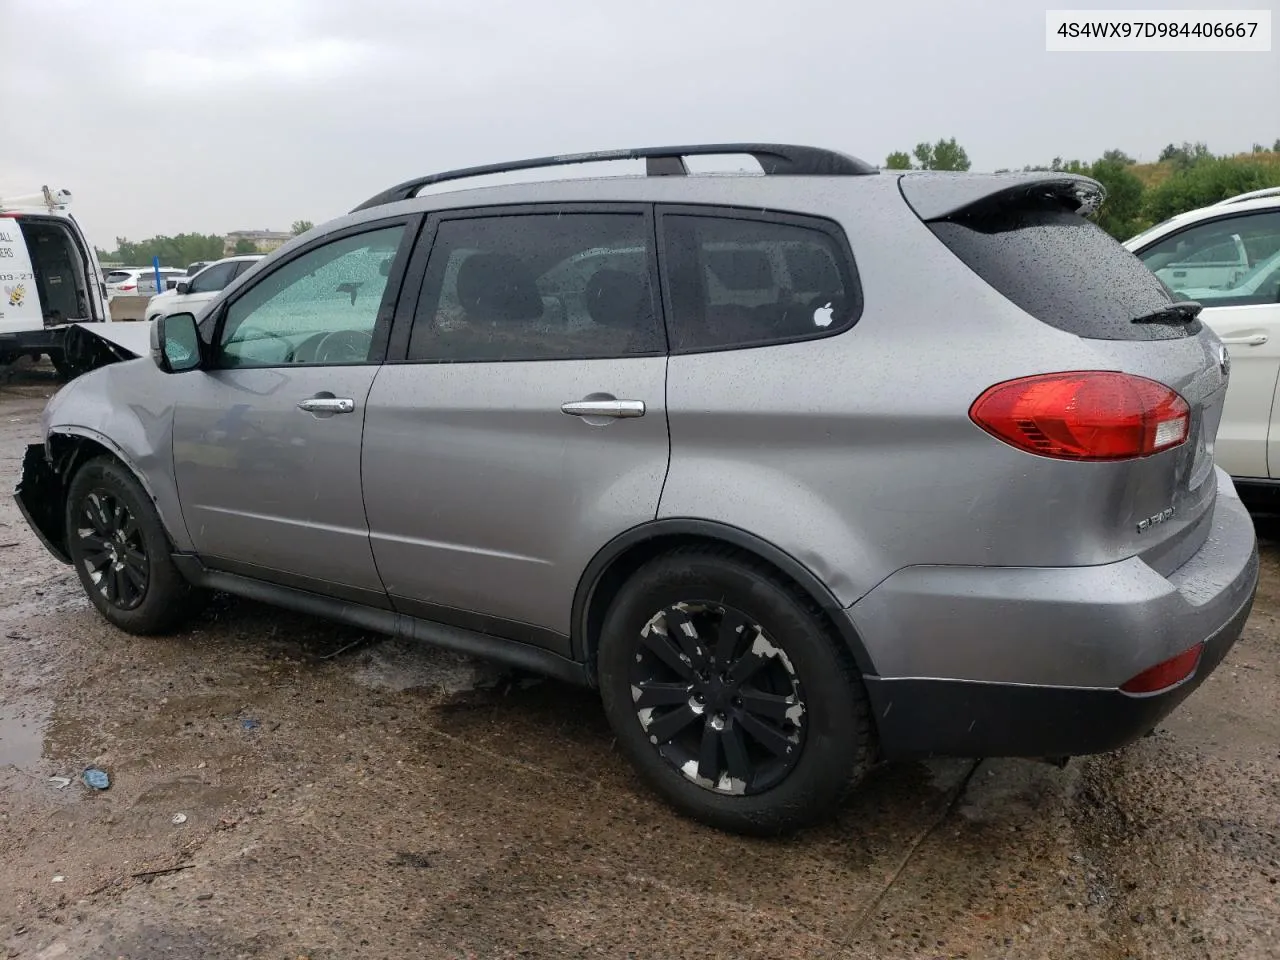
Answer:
(937, 196)
(774, 158)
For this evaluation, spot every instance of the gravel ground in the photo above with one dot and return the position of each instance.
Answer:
(344, 796)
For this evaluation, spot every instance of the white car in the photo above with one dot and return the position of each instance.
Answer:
(1227, 257)
(192, 293)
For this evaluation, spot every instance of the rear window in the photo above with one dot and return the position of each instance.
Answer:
(1063, 270)
(118, 276)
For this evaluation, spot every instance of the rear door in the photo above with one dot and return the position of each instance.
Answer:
(1243, 308)
(523, 424)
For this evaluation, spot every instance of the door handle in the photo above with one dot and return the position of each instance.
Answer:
(327, 405)
(1250, 340)
(619, 409)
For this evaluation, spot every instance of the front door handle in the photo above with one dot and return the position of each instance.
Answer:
(327, 405)
(1251, 340)
(619, 409)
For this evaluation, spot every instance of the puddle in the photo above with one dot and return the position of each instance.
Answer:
(397, 666)
(22, 724)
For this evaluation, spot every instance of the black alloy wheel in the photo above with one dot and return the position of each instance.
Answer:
(112, 549)
(718, 698)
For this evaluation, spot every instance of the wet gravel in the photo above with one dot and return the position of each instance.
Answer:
(393, 800)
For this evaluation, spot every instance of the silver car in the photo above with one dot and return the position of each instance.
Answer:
(802, 470)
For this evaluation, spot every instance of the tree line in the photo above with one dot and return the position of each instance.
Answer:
(184, 249)
(1186, 176)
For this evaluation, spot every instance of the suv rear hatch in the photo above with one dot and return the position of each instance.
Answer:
(1027, 237)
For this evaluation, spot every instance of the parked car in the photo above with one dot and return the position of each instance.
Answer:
(190, 294)
(848, 465)
(49, 275)
(1227, 257)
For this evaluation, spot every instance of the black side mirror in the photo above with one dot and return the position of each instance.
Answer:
(175, 343)
(183, 287)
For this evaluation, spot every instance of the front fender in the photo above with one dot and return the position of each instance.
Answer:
(125, 410)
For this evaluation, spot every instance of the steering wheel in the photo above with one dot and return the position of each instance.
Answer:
(246, 334)
(344, 346)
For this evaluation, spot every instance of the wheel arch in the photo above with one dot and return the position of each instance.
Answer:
(628, 551)
(69, 448)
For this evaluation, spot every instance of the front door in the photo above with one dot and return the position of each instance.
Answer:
(528, 426)
(267, 439)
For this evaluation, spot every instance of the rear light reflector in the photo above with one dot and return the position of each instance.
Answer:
(1084, 415)
(1166, 674)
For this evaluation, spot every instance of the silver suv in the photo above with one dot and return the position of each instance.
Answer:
(802, 470)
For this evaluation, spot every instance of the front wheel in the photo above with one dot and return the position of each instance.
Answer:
(730, 694)
(121, 552)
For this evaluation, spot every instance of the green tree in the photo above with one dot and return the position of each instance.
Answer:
(943, 155)
(244, 245)
(177, 251)
(898, 160)
(1121, 213)
(300, 227)
(1275, 147)
(1120, 157)
(1206, 182)
(1187, 155)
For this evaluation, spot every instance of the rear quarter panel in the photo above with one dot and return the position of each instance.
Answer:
(855, 453)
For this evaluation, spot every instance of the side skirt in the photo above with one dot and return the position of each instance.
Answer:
(511, 652)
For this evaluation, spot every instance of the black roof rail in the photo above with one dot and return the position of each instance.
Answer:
(774, 158)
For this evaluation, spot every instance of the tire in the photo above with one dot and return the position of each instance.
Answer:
(792, 686)
(121, 552)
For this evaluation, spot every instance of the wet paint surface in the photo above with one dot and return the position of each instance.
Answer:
(399, 801)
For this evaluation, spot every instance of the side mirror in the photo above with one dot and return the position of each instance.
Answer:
(175, 343)
(183, 286)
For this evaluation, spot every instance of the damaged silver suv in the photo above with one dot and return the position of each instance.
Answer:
(801, 470)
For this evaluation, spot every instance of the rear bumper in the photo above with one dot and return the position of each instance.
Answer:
(981, 661)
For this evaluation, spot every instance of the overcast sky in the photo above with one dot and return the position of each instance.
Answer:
(168, 117)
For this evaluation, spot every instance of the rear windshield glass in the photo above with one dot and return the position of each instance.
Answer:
(117, 276)
(1063, 270)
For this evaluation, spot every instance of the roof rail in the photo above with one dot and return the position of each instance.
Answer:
(1251, 195)
(774, 158)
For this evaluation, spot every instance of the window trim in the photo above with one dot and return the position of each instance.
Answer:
(848, 269)
(1238, 302)
(416, 275)
(383, 323)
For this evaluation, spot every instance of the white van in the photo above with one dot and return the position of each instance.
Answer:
(49, 277)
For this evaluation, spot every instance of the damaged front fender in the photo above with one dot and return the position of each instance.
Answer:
(41, 498)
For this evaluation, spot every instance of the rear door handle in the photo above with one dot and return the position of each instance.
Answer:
(619, 409)
(1250, 340)
(327, 405)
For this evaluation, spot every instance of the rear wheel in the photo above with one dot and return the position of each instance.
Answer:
(729, 693)
(121, 552)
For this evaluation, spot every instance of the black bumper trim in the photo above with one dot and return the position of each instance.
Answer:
(39, 496)
(957, 718)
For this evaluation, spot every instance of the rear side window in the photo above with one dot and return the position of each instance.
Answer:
(1061, 269)
(537, 287)
(744, 282)
(213, 279)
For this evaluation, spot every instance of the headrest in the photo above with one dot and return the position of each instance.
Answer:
(615, 298)
(498, 287)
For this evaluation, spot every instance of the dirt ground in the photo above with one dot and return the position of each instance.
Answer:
(340, 795)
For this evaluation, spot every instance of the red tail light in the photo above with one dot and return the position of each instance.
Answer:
(128, 286)
(1166, 674)
(1086, 415)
